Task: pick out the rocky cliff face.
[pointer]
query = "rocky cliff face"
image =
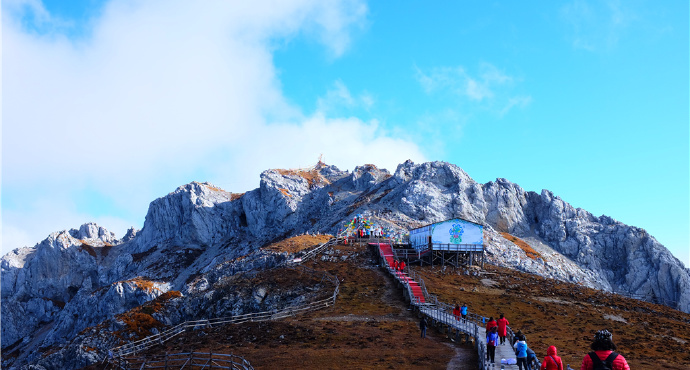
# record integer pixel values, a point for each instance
(194, 237)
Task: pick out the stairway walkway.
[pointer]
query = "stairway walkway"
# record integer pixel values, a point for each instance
(442, 313)
(387, 252)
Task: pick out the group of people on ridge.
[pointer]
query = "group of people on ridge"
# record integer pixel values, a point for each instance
(603, 355)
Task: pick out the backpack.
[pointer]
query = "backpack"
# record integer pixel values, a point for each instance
(599, 365)
(491, 339)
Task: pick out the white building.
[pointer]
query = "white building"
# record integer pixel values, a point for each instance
(452, 241)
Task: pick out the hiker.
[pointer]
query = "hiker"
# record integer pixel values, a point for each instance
(491, 324)
(402, 266)
(519, 336)
(456, 312)
(463, 311)
(422, 326)
(520, 347)
(552, 361)
(491, 343)
(531, 357)
(502, 324)
(395, 265)
(604, 353)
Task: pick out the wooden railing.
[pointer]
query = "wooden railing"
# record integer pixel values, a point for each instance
(162, 337)
(189, 360)
(313, 252)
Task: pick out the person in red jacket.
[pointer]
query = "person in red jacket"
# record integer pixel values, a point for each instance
(402, 266)
(604, 350)
(490, 324)
(456, 312)
(552, 361)
(502, 328)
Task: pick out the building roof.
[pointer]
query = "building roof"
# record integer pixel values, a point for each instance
(450, 219)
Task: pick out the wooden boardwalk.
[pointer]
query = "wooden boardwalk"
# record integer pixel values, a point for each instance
(440, 315)
(504, 351)
(470, 328)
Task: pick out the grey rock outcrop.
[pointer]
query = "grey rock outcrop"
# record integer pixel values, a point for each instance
(198, 235)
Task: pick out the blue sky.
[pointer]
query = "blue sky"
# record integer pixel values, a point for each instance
(108, 105)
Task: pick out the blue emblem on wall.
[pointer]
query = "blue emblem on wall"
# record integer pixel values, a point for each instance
(456, 232)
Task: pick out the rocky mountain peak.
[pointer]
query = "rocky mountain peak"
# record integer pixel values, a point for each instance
(367, 176)
(199, 234)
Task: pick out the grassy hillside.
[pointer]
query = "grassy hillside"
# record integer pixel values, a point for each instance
(371, 327)
(550, 312)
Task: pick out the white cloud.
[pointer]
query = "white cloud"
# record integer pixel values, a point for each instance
(516, 101)
(160, 93)
(490, 86)
(596, 26)
(340, 97)
(458, 81)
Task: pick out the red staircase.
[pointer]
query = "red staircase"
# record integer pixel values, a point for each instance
(387, 252)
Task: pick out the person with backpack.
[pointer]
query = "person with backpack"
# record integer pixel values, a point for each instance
(502, 331)
(463, 311)
(552, 361)
(521, 353)
(604, 355)
(491, 343)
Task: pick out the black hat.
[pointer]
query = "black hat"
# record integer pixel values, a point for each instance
(603, 335)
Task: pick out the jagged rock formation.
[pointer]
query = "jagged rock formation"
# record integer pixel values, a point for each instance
(199, 234)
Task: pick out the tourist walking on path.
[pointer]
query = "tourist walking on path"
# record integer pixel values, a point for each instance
(422, 326)
(604, 351)
(521, 353)
(502, 328)
(402, 266)
(519, 336)
(463, 311)
(490, 324)
(552, 361)
(491, 343)
(531, 357)
(456, 312)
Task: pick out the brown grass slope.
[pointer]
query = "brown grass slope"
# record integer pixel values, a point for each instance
(551, 312)
(370, 326)
(298, 243)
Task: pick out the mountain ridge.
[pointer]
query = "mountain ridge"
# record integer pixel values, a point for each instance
(194, 234)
